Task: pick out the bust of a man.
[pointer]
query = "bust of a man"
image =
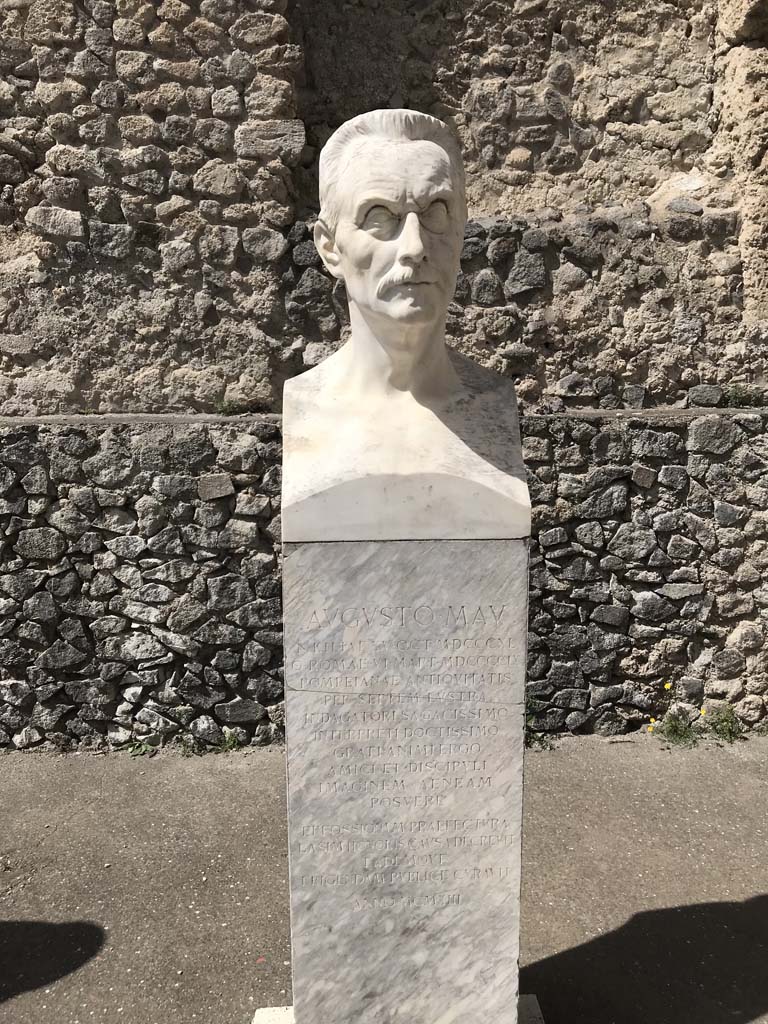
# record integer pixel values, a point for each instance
(396, 436)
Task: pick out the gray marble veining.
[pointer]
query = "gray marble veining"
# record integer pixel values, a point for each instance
(405, 667)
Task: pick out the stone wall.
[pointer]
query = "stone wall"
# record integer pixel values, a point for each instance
(556, 104)
(145, 192)
(139, 576)
(647, 586)
(158, 176)
(157, 193)
(139, 597)
(631, 134)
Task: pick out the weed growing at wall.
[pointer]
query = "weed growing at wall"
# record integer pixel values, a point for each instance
(724, 724)
(677, 730)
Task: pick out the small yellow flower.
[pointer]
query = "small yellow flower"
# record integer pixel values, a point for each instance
(650, 728)
(667, 686)
(703, 711)
(653, 721)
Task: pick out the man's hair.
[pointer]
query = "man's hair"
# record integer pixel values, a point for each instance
(389, 125)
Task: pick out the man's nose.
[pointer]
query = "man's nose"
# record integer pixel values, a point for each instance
(411, 247)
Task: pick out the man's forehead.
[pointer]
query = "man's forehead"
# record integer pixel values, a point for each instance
(383, 166)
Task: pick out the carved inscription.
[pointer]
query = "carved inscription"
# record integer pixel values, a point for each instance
(408, 716)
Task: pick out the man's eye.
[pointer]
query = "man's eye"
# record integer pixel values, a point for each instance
(435, 217)
(381, 221)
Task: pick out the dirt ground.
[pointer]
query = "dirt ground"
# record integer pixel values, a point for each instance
(154, 891)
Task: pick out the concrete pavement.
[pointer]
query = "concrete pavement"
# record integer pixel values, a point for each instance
(154, 891)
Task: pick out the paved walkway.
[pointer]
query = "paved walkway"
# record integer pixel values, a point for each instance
(142, 891)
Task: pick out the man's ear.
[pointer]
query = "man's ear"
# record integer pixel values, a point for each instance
(326, 246)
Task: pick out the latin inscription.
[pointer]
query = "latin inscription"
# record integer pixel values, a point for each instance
(407, 715)
(404, 615)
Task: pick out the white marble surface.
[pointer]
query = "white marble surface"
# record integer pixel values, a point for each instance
(394, 437)
(400, 469)
(274, 1015)
(529, 1012)
(405, 665)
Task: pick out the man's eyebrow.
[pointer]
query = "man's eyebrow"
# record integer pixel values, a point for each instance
(374, 198)
(445, 192)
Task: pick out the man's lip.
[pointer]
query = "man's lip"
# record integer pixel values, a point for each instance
(409, 284)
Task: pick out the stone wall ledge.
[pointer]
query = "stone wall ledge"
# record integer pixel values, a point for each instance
(665, 413)
(119, 418)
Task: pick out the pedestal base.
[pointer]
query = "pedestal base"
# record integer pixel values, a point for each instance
(529, 1012)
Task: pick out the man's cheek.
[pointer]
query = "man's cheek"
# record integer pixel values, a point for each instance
(361, 254)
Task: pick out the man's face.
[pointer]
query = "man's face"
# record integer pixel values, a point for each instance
(400, 229)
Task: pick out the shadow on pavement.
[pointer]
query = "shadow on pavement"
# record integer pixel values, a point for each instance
(36, 953)
(701, 964)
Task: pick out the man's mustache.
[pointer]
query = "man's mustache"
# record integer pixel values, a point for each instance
(401, 277)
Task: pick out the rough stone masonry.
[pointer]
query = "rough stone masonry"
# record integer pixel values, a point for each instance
(157, 191)
(139, 592)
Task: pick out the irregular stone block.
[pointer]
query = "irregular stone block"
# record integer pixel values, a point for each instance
(269, 140)
(49, 220)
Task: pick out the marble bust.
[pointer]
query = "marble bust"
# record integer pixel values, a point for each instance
(395, 436)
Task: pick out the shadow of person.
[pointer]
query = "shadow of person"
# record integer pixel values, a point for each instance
(701, 964)
(35, 953)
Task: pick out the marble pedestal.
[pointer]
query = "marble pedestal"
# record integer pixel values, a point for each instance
(529, 1012)
(405, 667)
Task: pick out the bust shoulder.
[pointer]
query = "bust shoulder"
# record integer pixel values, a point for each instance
(313, 388)
(453, 465)
(307, 383)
